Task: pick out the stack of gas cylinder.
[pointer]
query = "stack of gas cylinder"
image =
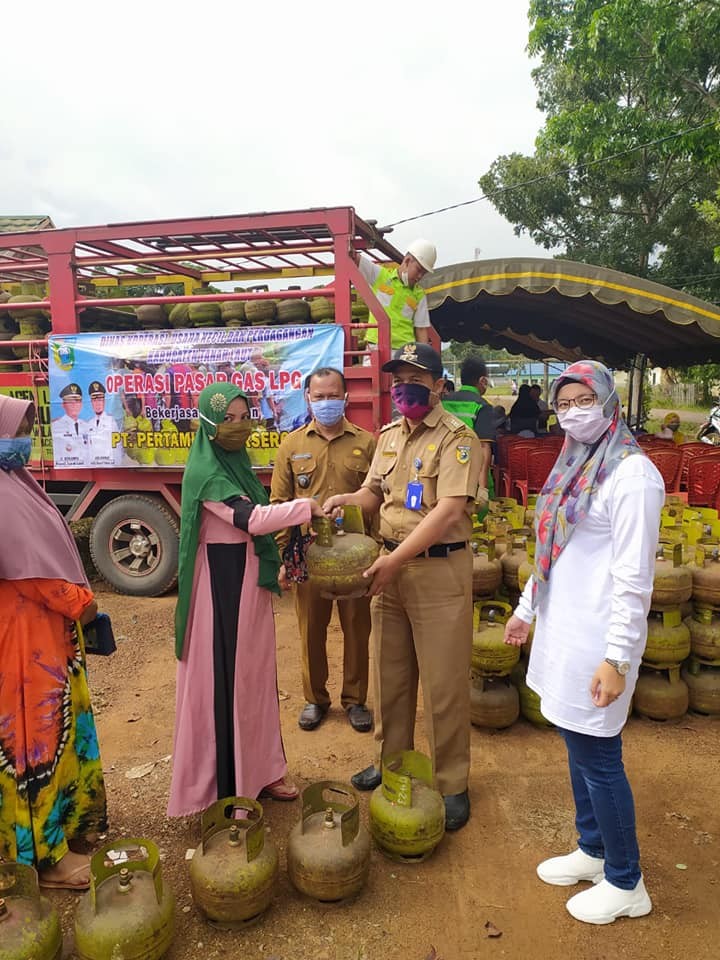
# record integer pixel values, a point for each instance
(681, 663)
(502, 562)
(129, 911)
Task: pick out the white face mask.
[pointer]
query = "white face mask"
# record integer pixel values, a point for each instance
(587, 426)
(404, 277)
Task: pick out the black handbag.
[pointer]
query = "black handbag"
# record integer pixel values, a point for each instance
(99, 636)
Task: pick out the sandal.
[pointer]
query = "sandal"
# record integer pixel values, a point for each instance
(66, 883)
(280, 790)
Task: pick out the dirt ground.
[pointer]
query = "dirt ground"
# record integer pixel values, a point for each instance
(521, 813)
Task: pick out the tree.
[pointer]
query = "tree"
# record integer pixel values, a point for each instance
(614, 74)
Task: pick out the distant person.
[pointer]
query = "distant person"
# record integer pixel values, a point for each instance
(545, 411)
(448, 389)
(524, 413)
(513, 388)
(397, 288)
(500, 420)
(469, 405)
(670, 429)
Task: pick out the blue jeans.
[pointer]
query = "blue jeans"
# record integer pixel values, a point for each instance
(604, 808)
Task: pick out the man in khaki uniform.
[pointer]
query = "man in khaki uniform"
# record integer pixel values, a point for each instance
(328, 456)
(424, 482)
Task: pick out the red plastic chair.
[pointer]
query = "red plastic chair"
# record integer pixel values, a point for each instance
(539, 464)
(669, 463)
(689, 452)
(704, 480)
(516, 468)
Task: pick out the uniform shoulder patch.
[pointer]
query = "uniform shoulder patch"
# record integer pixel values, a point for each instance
(462, 453)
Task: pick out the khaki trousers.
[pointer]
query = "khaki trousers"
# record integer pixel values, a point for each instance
(313, 614)
(422, 629)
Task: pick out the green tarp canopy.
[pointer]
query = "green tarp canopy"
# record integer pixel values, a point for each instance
(557, 308)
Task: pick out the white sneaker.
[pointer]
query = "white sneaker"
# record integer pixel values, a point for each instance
(605, 903)
(570, 869)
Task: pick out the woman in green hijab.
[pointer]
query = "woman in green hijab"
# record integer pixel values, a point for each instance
(227, 719)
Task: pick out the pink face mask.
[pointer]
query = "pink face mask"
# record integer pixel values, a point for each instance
(587, 426)
(411, 399)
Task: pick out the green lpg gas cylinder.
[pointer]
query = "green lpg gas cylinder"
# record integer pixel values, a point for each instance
(128, 913)
(29, 924)
(407, 814)
(703, 683)
(342, 551)
(491, 656)
(487, 568)
(529, 700)
(233, 873)
(494, 702)
(668, 639)
(704, 626)
(328, 852)
(661, 694)
(673, 581)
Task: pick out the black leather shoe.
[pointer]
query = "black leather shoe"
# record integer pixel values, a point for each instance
(311, 716)
(367, 779)
(457, 810)
(360, 717)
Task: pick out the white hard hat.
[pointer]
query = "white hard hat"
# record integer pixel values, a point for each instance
(425, 254)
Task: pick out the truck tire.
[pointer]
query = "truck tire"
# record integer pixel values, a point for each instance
(134, 544)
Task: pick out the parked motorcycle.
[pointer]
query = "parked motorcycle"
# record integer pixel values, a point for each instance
(709, 431)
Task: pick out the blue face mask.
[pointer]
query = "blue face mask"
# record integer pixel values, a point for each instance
(327, 412)
(14, 452)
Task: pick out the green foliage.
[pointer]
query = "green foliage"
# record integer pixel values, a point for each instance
(706, 376)
(614, 74)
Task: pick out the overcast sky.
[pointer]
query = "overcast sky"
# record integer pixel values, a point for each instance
(115, 112)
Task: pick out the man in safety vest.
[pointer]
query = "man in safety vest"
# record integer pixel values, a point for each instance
(469, 405)
(399, 294)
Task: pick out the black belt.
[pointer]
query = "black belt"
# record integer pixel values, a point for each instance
(436, 550)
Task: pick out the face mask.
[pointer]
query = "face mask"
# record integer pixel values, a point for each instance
(233, 436)
(587, 426)
(14, 452)
(411, 399)
(403, 274)
(327, 412)
(673, 426)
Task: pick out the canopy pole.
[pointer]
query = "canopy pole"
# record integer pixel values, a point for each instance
(629, 410)
(636, 383)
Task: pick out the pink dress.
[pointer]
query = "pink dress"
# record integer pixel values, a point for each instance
(254, 742)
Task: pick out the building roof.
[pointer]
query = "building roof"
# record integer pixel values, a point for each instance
(21, 224)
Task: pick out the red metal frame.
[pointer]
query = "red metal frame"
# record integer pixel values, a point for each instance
(253, 247)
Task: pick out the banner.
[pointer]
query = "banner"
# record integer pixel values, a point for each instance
(130, 399)
(41, 440)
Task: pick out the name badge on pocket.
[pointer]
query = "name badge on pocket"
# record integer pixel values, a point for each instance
(413, 495)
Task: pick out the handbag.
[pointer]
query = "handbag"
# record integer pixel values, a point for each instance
(99, 637)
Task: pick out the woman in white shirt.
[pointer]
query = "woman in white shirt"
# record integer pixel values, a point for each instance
(597, 523)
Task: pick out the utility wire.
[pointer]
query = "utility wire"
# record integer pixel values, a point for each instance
(551, 176)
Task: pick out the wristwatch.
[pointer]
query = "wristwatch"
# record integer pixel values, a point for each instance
(622, 666)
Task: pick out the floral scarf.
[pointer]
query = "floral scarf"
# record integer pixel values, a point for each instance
(578, 472)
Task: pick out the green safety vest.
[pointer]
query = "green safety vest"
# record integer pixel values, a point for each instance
(467, 410)
(400, 304)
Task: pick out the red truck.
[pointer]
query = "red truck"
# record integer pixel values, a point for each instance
(74, 283)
